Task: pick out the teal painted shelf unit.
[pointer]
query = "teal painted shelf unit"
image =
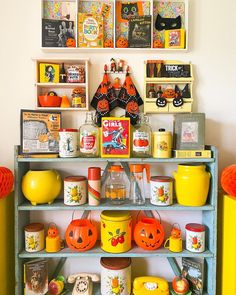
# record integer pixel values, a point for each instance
(209, 218)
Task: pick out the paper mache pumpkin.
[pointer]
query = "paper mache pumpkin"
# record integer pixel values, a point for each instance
(122, 42)
(81, 235)
(70, 42)
(157, 43)
(108, 43)
(53, 231)
(169, 93)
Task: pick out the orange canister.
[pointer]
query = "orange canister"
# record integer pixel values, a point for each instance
(116, 231)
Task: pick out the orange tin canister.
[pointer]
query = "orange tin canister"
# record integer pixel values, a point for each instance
(116, 231)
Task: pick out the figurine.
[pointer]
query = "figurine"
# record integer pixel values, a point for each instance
(121, 63)
(175, 241)
(178, 100)
(117, 84)
(53, 240)
(113, 65)
(56, 286)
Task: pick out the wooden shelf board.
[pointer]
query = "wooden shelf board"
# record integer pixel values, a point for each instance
(61, 85)
(105, 205)
(60, 109)
(135, 160)
(98, 252)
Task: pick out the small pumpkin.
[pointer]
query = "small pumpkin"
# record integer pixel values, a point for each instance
(132, 107)
(122, 42)
(157, 43)
(81, 235)
(169, 93)
(103, 105)
(53, 231)
(149, 233)
(70, 42)
(176, 232)
(108, 43)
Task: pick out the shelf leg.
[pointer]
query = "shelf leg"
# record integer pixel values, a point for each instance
(58, 268)
(174, 265)
(105, 173)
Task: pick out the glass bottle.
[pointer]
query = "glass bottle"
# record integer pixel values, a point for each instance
(151, 92)
(142, 138)
(115, 189)
(89, 137)
(159, 92)
(62, 74)
(137, 191)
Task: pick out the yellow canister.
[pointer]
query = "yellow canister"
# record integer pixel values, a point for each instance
(192, 183)
(162, 144)
(116, 231)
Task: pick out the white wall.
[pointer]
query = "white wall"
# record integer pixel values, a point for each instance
(212, 51)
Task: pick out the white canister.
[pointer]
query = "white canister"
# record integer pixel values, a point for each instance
(195, 237)
(161, 190)
(75, 190)
(34, 237)
(68, 143)
(116, 276)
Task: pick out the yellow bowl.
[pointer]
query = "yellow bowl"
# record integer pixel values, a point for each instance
(41, 187)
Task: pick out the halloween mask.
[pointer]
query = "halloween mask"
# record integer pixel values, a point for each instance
(167, 23)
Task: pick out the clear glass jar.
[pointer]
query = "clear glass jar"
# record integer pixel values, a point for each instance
(115, 189)
(137, 191)
(89, 137)
(142, 138)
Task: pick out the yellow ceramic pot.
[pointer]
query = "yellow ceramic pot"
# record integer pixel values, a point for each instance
(192, 184)
(41, 187)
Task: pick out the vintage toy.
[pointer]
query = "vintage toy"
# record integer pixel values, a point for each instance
(121, 63)
(81, 235)
(41, 186)
(53, 240)
(175, 240)
(116, 84)
(113, 65)
(56, 286)
(150, 286)
(228, 180)
(149, 234)
(116, 229)
(180, 285)
(6, 182)
(83, 283)
(115, 137)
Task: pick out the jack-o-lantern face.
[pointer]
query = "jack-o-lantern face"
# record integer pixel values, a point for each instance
(108, 43)
(169, 93)
(70, 42)
(122, 42)
(149, 234)
(176, 233)
(157, 44)
(103, 105)
(81, 235)
(161, 102)
(53, 231)
(132, 107)
(178, 101)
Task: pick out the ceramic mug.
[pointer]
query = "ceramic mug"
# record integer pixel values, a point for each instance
(175, 245)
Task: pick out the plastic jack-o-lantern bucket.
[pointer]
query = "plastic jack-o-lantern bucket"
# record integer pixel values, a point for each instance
(81, 235)
(149, 233)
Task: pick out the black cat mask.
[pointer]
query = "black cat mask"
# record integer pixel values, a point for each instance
(167, 23)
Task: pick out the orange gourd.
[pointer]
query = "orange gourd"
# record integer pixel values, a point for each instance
(81, 235)
(65, 103)
(149, 233)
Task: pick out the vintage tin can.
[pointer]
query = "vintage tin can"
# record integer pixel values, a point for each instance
(161, 190)
(34, 237)
(115, 275)
(195, 237)
(68, 143)
(116, 231)
(162, 143)
(75, 190)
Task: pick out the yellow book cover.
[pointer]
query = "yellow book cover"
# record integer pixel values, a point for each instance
(175, 38)
(192, 154)
(90, 30)
(49, 73)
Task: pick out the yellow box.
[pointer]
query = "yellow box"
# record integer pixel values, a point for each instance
(175, 38)
(49, 73)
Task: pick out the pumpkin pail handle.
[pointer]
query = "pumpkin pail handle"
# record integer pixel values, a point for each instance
(87, 214)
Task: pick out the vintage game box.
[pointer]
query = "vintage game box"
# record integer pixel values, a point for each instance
(115, 137)
(90, 30)
(49, 73)
(40, 132)
(186, 154)
(36, 277)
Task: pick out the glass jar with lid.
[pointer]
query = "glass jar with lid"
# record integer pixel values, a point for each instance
(115, 189)
(142, 138)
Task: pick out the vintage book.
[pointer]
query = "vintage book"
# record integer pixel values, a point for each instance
(193, 270)
(139, 35)
(192, 154)
(115, 137)
(189, 131)
(57, 33)
(40, 132)
(90, 30)
(175, 38)
(49, 73)
(36, 277)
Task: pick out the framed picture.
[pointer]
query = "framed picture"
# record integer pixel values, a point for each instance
(175, 38)
(40, 132)
(189, 131)
(115, 137)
